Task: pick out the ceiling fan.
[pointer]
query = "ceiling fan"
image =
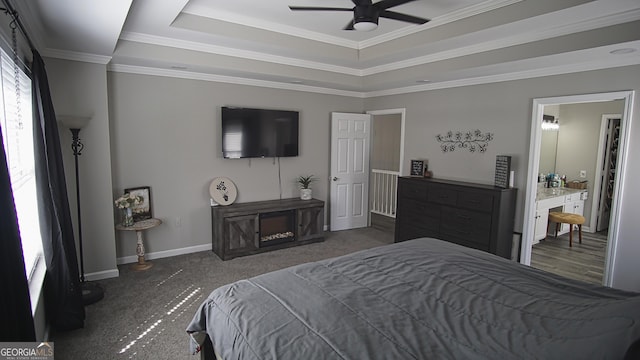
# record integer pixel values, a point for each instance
(366, 13)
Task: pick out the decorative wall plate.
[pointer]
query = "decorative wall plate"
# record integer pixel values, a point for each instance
(223, 191)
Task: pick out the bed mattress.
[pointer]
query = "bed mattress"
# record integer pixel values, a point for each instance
(419, 299)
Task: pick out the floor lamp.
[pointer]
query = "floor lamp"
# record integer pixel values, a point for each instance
(91, 292)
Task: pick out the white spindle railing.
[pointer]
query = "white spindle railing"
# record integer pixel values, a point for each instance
(384, 185)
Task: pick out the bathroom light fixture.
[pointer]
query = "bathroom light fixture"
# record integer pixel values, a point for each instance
(550, 122)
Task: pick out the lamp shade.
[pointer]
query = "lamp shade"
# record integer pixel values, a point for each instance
(73, 122)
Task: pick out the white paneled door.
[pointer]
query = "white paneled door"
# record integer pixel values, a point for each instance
(349, 170)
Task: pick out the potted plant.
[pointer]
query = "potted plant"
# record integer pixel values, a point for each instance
(305, 181)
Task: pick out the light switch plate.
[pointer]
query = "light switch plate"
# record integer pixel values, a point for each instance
(583, 173)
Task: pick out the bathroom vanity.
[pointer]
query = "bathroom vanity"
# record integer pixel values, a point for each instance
(556, 199)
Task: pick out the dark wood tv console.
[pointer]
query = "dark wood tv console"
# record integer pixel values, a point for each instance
(473, 215)
(236, 228)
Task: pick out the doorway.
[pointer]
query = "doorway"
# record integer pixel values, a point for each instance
(387, 158)
(534, 159)
(606, 171)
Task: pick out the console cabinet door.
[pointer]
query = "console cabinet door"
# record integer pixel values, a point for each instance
(310, 223)
(542, 217)
(241, 234)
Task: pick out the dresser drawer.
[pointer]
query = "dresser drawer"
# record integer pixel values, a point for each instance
(470, 227)
(442, 195)
(475, 201)
(420, 214)
(412, 190)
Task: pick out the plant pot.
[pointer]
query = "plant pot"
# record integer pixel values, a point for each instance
(305, 194)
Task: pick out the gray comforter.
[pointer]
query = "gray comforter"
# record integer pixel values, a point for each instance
(419, 299)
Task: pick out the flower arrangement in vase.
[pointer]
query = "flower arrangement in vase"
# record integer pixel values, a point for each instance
(125, 203)
(305, 183)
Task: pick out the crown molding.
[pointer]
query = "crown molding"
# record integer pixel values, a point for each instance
(245, 54)
(510, 76)
(189, 75)
(516, 75)
(207, 12)
(459, 14)
(76, 56)
(534, 35)
(468, 11)
(531, 36)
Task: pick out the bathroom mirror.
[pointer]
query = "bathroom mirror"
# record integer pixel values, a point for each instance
(549, 144)
(548, 150)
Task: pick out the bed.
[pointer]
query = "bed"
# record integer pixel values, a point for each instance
(418, 299)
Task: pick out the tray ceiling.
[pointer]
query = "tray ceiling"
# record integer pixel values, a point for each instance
(263, 43)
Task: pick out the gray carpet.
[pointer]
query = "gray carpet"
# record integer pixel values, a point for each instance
(144, 314)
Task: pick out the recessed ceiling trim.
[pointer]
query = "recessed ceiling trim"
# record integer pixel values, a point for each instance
(534, 35)
(507, 76)
(438, 21)
(507, 41)
(180, 74)
(245, 54)
(268, 25)
(466, 12)
(510, 76)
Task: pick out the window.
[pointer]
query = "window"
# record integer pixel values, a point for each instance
(17, 132)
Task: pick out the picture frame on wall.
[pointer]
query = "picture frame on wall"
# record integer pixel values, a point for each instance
(141, 211)
(417, 168)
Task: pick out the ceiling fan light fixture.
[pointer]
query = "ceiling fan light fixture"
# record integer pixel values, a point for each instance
(365, 25)
(365, 18)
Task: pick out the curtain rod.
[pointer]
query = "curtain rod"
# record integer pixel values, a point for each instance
(9, 10)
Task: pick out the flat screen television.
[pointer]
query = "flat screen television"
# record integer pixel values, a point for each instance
(253, 133)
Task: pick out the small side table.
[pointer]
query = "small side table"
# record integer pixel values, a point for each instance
(139, 227)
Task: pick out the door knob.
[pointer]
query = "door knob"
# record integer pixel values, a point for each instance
(335, 178)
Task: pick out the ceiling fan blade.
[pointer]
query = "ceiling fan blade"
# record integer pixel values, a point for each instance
(362, 2)
(402, 17)
(349, 26)
(315, 8)
(386, 4)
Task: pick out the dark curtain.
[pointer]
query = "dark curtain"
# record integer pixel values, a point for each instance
(16, 321)
(63, 295)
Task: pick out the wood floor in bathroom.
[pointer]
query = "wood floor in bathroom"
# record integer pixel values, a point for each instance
(583, 262)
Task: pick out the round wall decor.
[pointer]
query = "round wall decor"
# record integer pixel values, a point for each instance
(223, 191)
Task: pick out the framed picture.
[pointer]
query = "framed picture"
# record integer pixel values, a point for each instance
(417, 168)
(141, 211)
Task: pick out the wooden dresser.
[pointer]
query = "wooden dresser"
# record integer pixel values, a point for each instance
(474, 215)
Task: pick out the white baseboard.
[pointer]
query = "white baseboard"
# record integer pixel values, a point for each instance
(164, 254)
(100, 275)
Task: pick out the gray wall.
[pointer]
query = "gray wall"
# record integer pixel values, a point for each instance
(165, 134)
(80, 89)
(505, 110)
(162, 132)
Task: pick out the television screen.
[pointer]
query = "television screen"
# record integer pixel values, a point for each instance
(250, 133)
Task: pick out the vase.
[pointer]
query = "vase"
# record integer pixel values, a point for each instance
(306, 194)
(128, 217)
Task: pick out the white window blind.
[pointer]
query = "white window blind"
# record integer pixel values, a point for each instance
(17, 133)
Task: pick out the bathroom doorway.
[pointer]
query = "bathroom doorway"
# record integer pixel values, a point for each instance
(567, 162)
